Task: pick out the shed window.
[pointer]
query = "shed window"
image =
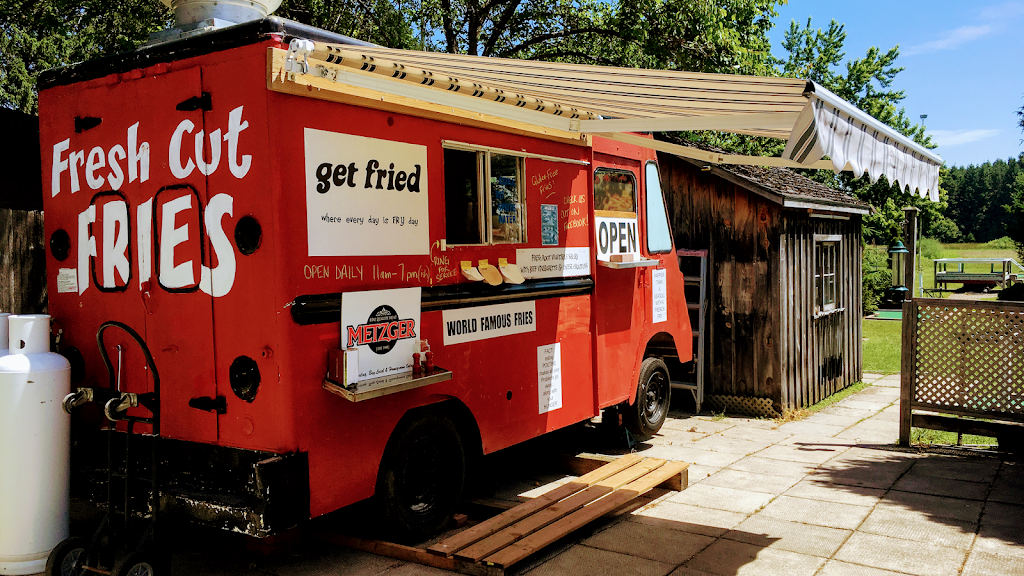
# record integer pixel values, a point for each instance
(825, 270)
(614, 190)
(484, 198)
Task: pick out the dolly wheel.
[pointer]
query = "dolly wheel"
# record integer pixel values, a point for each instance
(144, 563)
(421, 476)
(63, 557)
(654, 391)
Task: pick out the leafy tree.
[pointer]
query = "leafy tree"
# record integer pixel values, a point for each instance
(1015, 226)
(35, 36)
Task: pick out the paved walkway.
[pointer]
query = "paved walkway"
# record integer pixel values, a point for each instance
(826, 496)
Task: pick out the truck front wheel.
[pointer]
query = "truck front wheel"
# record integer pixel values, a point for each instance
(645, 416)
(421, 476)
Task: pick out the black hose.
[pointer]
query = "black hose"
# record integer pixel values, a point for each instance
(149, 360)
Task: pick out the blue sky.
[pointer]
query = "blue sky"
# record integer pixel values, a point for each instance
(964, 64)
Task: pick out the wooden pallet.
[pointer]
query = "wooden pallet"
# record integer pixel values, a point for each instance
(515, 534)
(488, 548)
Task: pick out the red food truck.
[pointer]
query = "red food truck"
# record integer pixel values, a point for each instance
(270, 256)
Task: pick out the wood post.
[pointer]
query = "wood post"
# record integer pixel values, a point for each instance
(907, 370)
(910, 241)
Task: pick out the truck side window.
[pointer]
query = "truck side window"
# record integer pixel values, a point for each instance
(462, 199)
(507, 206)
(659, 238)
(485, 198)
(614, 190)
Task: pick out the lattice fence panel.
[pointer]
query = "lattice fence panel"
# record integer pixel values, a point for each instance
(970, 356)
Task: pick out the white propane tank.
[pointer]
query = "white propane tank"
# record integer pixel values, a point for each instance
(3, 334)
(35, 438)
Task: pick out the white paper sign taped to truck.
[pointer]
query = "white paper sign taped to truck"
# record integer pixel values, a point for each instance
(365, 196)
(616, 235)
(483, 322)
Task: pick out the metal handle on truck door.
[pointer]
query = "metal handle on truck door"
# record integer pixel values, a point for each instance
(208, 404)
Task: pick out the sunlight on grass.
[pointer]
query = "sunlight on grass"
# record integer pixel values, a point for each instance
(795, 414)
(924, 437)
(882, 342)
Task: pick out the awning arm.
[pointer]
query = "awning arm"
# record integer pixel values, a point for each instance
(710, 157)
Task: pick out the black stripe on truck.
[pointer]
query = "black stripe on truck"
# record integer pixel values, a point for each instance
(325, 308)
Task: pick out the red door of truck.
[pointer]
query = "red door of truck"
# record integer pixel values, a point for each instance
(179, 324)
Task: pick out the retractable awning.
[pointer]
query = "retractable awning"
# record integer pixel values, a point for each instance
(615, 102)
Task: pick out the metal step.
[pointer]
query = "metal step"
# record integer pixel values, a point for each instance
(676, 385)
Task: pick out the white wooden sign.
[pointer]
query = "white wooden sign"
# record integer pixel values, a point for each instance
(616, 236)
(365, 196)
(383, 325)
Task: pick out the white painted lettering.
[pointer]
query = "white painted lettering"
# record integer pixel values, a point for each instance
(138, 156)
(172, 276)
(174, 151)
(235, 126)
(59, 165)
(116, 176)
(218, 282)
(204, 168)
(92, 164)
(75, 159)
(86, 246)
(115, 242)
(144, 236)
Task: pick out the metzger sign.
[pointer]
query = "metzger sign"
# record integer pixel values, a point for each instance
(383, 326)
(365, 196)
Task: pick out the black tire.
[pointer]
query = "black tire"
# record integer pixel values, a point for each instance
(144, 563)
(645, 416)
(62, 558)
(421, 477)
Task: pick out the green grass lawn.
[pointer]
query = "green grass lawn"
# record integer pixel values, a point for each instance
(927, 266)
(882, 344)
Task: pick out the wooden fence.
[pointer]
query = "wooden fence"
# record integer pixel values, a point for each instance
(963, 359)
(22, 262)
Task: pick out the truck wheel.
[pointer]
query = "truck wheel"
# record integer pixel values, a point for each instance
(421, 476)
(645, 416)
(63, 557)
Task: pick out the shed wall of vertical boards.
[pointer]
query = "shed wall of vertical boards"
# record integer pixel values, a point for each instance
(763, 337)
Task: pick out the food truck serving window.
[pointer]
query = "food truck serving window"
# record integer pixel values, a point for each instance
(614, 190)
(484, 197)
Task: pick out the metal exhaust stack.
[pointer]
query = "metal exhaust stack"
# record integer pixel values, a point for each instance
(193, 17)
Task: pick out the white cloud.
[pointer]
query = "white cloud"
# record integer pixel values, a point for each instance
(951, 39)
(950, 138)
(1003, 11)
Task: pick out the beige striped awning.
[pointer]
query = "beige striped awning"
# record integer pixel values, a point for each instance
(613, 102)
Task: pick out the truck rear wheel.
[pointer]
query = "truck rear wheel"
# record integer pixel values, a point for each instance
(421, 476)
(645, 416)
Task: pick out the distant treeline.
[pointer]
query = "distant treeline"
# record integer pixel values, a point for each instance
(980, 201)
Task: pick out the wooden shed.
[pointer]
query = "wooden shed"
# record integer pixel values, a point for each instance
(783, 320)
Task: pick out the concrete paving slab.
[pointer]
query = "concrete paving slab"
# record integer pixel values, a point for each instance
(887, 415)
(954, 468)
(934, 506)
(674, 436)
(832, 419)
(901, 555)
(941, 487)
(919, 527)
(740, 480)
(887, 383)
(1004, 514)
(692, 455)
(729, 499)
(731, 445)
(668, 546)
(871, 376)
(1008, 494)
(791, 536)
(585, 561)
(1000, 539)
(857, 403)
(811, 428)
(312, 559)
(753, 433)
(773, 467)
(882, 391)
(686, 518)
(809, 454)
(698, 424)
(817, 512)
(816, 441)
(877, 422)
(751, 422)
(412, 570)
(865, 468)
(837, 568)
(857, 413)
(981, 563)
(698, 472)
(828, 492)
(870, 436)
(731, 558)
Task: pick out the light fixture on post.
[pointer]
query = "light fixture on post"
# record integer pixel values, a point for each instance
(898, 292)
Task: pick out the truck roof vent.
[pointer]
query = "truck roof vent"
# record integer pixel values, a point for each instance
(197, 16)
